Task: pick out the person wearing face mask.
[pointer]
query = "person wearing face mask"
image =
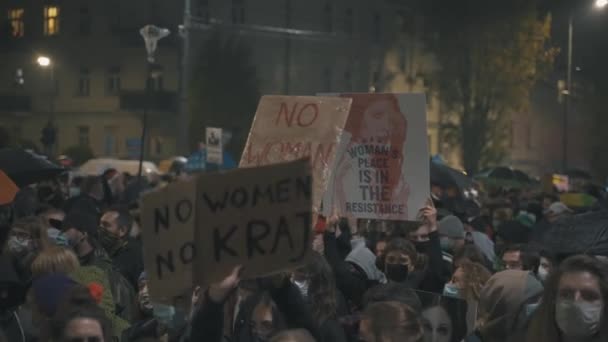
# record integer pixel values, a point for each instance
(547, 263)
(318, 287)
(126, 252)
(503, 310)
(467, 282)
(26, 239)
(79, 229)
(573, 307)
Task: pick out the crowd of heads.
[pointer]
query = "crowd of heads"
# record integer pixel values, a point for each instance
(71, 269)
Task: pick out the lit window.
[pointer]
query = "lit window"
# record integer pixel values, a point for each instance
(51, 20)
(113, 81)
(15, 16)
(84, 82)
(83, 135)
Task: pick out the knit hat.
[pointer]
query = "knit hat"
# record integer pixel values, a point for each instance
(83, 222)
(50, 290)
(452, 227)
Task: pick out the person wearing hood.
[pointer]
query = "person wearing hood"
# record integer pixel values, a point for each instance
(573, 307)
(355, 274)
(505, 304)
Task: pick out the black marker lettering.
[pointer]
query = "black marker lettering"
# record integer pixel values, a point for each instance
(161, 217)
(261, 195)
(239, 197)
(283, 190)
(253, 237)
(166, 262)
(219, 243)
(187, 253)
(183, 210)
(304, 187)
(282, 230)
(215, 205)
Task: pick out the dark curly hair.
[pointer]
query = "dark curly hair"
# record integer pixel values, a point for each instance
(322, 293)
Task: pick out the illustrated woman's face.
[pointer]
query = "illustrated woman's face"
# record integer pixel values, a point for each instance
(376, 121)
(437, 325)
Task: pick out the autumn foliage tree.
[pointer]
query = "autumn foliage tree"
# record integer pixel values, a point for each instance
(490, 54)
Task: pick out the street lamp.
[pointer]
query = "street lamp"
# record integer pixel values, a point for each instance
(599, 4)
(151, 34)
(48, 132)
(43, 61)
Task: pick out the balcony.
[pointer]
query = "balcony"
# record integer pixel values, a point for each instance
(159, 101)
(15, 103)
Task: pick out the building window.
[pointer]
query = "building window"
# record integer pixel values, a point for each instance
(201, 10)
(238, 11)
(110, 141)
(83, 135)
(15, 16)
(328, 18)
(348, 81)
(348, 22)
(113, 81)
(377, 28)
(84, 82)
(155, 81)
(327, 79)
(84, 26)
(51, 20)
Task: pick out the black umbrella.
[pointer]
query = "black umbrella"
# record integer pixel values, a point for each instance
(25, 167)
(446, 177)
(584, 233)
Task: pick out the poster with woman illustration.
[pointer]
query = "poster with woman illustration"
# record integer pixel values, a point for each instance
(381, 170)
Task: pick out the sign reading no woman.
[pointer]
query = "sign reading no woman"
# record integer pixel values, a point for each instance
(288, 128)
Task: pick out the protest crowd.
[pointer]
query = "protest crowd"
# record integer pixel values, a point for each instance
(251, 255)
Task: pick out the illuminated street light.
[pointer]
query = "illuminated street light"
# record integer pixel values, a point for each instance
(601, 3)
(43, 61)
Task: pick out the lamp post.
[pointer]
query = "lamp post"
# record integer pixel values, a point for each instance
(151, 34)
(599, 4)
(48, 132)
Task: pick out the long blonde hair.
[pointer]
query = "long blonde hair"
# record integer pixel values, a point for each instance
(475, 277)
(54, 260)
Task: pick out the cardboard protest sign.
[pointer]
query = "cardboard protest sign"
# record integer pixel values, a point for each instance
(381, 168)
(287, 128)
(260, 218)
(215, 149)
(168, 221)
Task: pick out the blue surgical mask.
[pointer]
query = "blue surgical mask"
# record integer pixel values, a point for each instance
(531, 308)
(163, 313)
(450, 290)
(74, 191)
(57, 237)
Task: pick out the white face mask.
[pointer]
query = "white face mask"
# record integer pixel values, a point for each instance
(578, 319)
(543, 273)
(302, 286)
(18, 246)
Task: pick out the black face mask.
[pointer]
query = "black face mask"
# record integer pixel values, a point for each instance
(397, 272)
(422, 247)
